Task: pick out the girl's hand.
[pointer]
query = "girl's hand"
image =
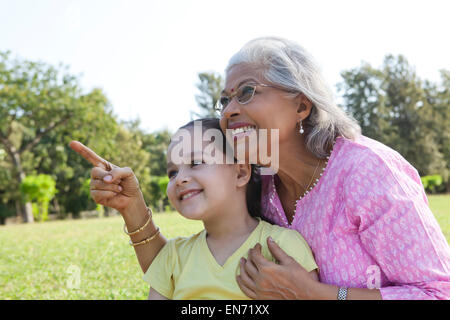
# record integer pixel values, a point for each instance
(265, 280)
(111, 186)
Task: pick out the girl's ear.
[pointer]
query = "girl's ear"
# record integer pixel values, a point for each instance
(244, 173)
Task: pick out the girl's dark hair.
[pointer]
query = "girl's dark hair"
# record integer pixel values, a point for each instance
(253, 192)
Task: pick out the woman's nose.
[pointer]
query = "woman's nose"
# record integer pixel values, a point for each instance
(232, 109)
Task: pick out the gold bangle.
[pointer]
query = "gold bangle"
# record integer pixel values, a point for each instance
(141, 228)
(145, 240)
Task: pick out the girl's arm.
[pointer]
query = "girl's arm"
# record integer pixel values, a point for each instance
(135, 217)
(155, 295)
(122, 192)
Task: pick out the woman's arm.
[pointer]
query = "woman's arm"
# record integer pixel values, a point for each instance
(401, 234)
(396, 227)
(262, 279)
(324, 291)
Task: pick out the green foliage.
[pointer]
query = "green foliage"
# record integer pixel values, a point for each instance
(432, 183)
(395, 107)
(101, 210)
(158, 192)
(164, 201)
(39, 190)
(43, 108)
(8, 188)
(5, 211)
(162, 183)
(155, 144)
(210, 86)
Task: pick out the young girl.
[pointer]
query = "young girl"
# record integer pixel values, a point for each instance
(205, 265)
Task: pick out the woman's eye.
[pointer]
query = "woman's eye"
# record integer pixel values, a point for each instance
(246, 93)
(224, 101)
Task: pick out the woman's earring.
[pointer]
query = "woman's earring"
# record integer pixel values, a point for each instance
(301, 128)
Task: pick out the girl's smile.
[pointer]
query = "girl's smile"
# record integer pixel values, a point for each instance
(188, 194)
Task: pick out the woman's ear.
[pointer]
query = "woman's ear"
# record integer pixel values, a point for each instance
(244, 173)
(304, 106)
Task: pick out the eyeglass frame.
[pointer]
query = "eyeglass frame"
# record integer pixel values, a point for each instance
(231, 96)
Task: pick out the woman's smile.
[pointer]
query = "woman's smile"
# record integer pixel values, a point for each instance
(242, 132)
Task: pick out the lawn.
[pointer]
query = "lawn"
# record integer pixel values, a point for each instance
(91, 259)
(440, 205)
(41, 261)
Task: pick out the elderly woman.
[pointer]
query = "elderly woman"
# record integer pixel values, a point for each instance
(360, 206)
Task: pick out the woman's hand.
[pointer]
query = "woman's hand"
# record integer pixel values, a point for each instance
(263, 280)
(120, 192)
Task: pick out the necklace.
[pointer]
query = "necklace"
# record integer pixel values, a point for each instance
(312, 177)
(310, 187)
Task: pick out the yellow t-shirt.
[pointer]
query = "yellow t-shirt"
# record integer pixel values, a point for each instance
(185, 268)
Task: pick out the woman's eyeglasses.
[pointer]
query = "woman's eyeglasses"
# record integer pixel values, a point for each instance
(244, 94)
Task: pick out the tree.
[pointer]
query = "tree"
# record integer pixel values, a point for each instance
(39, 190)
(146, 154)
(129, 151)
(38, 102)
(210, 86)
(439, 98)
(398, 109)
(365, 100)
(7, 208)
(156, 145)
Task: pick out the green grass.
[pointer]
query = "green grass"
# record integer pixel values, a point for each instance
(440, 205)
(36, 261)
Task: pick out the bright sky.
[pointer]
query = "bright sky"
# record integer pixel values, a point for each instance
(146, 55)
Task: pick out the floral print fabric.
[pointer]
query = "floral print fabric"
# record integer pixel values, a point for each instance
(369, 225)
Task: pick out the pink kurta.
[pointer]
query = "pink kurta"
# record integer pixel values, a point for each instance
(369, 225)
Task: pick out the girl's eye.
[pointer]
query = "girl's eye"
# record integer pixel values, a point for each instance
(196, 162)
(171, 173)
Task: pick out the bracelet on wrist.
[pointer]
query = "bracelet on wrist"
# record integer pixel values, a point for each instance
(342, 294)
(134, 244)
(141, 228)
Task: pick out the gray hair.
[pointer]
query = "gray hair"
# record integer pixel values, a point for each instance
(289, 66)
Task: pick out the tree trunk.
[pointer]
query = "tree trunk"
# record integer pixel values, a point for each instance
(27, 212)
(57, 208)
(107, 212)
(26, 209)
